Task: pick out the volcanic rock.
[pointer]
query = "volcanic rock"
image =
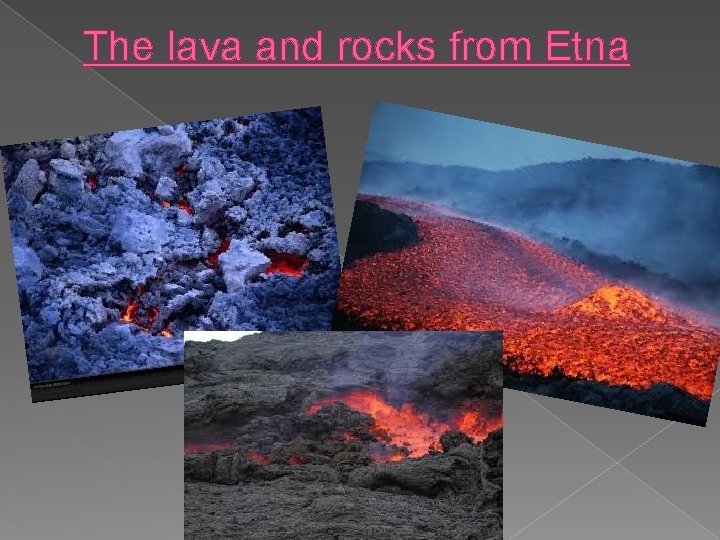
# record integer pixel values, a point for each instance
(294, 243)
(237, 214)
(451, 439)
(135, 151)
(30, 181)
(139, 233)
(166, 187)
(240, 263)
(430, 476)
(210, 200)
(67, 150)
(66, 178)
(660, 400)
(27, 266)
(300, 464)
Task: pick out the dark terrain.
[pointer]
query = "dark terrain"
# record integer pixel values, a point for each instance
(261, 463)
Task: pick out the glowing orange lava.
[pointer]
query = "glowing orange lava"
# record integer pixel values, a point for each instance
(474, 422)
(406, 427)
(182, 205)
(128, 314)
(617, 302)
(165, 332)
(213, 257)
(555, 313)
(286, 263)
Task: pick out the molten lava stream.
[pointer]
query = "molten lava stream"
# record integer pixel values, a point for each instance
(475, 425)
(407, 428)
(556, 313)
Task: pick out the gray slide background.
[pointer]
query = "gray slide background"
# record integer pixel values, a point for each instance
(111, 466)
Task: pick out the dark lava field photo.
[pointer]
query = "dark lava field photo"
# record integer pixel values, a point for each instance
(122, 241)
(600, 265)
(352, 435)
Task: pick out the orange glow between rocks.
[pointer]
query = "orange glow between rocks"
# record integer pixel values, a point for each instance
(128, 314)
(286, 263)
(213, 257)
(185, 207)
(406, 427)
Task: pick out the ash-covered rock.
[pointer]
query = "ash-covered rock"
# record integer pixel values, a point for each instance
(124, 240)
(291, 468)
(240, 263)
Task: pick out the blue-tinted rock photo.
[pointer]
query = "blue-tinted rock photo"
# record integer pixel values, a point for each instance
(121, 241)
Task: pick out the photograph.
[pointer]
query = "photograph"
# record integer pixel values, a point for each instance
(353, 435)
(599, 264)
(122, 241)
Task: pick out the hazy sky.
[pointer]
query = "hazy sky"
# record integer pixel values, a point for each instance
(400, 133)
(221, 336)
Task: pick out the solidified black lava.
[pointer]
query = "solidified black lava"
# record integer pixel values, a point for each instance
(661, 400)
(341, 321)
(282, 472)
(376, 230)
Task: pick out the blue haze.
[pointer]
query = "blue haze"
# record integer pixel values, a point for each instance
(400, 133)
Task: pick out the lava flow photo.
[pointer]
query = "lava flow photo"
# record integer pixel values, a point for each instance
(353, 435)
(599, 265)
(121, 241)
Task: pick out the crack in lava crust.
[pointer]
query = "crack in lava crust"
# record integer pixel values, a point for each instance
(555, 313)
